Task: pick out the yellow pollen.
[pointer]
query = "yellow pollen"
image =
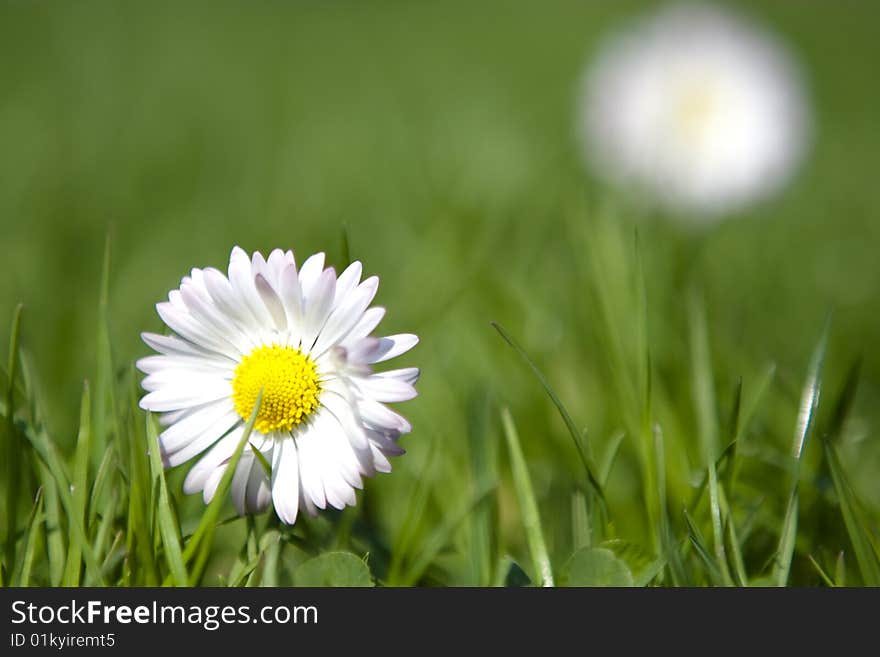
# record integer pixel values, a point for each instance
(290, 385)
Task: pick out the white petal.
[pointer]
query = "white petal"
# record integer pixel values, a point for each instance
(383, 389)
(182, 323)
(381, 463)
(272, 302)
(309, 273)
(291, 297)
(408, 374)
(347, 282)
(386, 441)
(240, 479)
(394, 345)
(345, 316)
(277, 261)
(203, 311)
(218, 454)
(344, 453)
(362, 351)
(174, 398)
(241, 278)
(201, 364)
(317, 307)
(199, 442)
(173, 345)
(193, 424)
(259, 493)
(336, 488)
(212, 483)
(226, 299)
(382, 417)
(345, 413)
(285, 480)
(310, 467)
(366, 324)
(182, 378)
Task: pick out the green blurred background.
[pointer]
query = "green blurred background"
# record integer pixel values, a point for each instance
(442, 136)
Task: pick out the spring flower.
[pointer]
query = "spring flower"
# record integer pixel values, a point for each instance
(696, 108)
(303, 337)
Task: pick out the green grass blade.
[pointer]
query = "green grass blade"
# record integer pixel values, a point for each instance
(844, 403)
(34, 524)
(806, 415)
(102, 478)
(611, 454)
(102, 533)
(441, 537)
(856, 526)
(583, 449)
(740, 577)
(703, 385)
(80, 488)
(482, 451)
(11, 454)
(49, 455)
(668, 545)
(414, 515)
(199, 546)
(55, 549)
(581, 536)
(717, 530)
(840, 570)
(167, 519)
(703, 552)
(141, 565)
(104, 367)
(527, 504)
(744, 412)
(825, 578)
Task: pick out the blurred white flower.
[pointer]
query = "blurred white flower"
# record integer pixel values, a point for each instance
(696, 108)
(303, 337)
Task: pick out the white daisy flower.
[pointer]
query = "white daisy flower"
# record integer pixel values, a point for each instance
(699, 109)
(303, 337)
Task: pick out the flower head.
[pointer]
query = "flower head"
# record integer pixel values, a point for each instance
(303, 338)
(695, 107)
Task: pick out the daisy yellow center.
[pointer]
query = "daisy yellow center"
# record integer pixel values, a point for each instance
(289, 381)
(696, 109)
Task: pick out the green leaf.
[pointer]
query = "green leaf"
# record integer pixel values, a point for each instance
(167, 518)
(703, 385)
(50, 457)
(54, 536)
(482, 523)
(611, 455)
(333, 569)
(35, 522)
(806, 414)
(527, 505)
(583, 448)
(856, 525)
(825, 578)
(442, 536)
(199, 546)
(80, 488)
(596, 567)
(715, 493)
(104, 397)
(699, 544)
(511, 574)
(11, 442)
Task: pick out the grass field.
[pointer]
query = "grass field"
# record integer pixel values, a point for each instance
(435, 143)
